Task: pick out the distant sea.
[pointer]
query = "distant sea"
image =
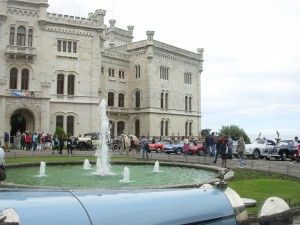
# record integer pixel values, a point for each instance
(272, 137)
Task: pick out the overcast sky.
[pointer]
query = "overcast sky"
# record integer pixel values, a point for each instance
(251, 74)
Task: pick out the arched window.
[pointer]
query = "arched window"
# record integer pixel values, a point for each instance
(137, 99)
(120, 127)
(186, 128)
(186, 103)
(190, 128)
(137, 128)
(121, 100)
(167, 128)
(166, 100)
(71, 84)
(110, 101)
(162, 128)
(30, 37)
(60, 121)
(60, 84)
(12, 36)
(162, 100)
(70, 125)
(21, 36)
(13, 79)
(190, 104)
(25, 79)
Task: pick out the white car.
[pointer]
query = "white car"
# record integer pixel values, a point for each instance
(257, 147)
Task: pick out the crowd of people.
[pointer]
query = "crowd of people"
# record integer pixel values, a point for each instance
(32, 141)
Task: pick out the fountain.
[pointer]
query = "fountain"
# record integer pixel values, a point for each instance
(156, 166)
(102, 151)
(42, 169)
(126, 175)
(86, 165)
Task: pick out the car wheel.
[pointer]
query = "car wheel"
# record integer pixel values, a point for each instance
(267, 158)
(283, 156)
(115, 147)
(178, 151)
(158, 150)
(256, 154)
(89, 143)
(201, 152)
(81, 146)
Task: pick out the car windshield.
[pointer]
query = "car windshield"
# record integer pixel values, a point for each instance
(284, 143)
(259, 142)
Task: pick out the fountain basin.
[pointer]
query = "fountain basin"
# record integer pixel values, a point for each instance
(71, 175)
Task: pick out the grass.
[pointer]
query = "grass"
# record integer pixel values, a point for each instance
(253, 184)
(260, 185)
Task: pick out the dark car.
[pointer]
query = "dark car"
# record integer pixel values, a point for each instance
(281, 151)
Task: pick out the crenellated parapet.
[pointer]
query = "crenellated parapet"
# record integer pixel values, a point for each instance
(95, 19)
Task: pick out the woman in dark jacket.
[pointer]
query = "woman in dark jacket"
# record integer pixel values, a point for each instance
(61, 143)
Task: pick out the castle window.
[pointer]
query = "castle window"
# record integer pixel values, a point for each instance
(12, 36)
(25, 79)
(112, 129)
(121, 100)
(74, 47)
(111, 97)
(186, 128)
(120, 127)
(71, 84)
(70, 125)
(190, 104)
(137, 128)
(30, 37)
(162, 100)
(111, 72)
(64, 46)
(162, 128)
(121, 74)
(60, 84)
(187, 78)
(59, 46)
(164, 73)
(190, 128)
(167, 128)
(13, 79)
(21, 36)
(166, 100)
(137, 71)
(137, 99)
(60, 121)
(186, 103)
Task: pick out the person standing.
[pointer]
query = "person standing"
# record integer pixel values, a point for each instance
(34, 141)
(295, 145)
(28, 141)
(185, 147)
(127, 144)
(224, 152)
(70, 144)
(240, 148)
(144, 147)
(220, 141)
(56, 147)
(229, 145)
(61, 143)
(211, 144)
(39, 142)
(6, 142)
(22, 140)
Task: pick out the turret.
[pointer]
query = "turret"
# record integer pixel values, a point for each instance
(43, 5)
(130, 29)
(150, 44)
(112, 24)
(3, 7)
(100, 14)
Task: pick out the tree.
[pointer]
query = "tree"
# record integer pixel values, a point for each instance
(59, 131)
(235, 132)
(205, 132)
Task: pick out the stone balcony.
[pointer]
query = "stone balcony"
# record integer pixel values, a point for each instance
(15, 51)
(24, 93)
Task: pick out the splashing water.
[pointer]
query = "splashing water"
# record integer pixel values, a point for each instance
(42, 169)
(102, 151)
(126, 175)
(156, 166)
(86, 165)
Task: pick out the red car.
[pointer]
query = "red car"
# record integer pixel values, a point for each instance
(196, 148)
(158, 146)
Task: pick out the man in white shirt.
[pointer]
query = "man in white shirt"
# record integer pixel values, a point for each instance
(295, 145)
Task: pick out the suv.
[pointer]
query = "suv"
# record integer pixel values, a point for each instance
(281, 151)
(88, 141)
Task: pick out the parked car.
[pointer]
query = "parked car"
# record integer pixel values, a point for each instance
(159, 145)
(281, 151)
(173, 148)
(196, 148)
(257, 147)
(88, 141)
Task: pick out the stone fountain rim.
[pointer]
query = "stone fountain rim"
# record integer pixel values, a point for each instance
(228, 175)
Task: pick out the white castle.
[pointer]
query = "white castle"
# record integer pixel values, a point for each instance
(55, 69)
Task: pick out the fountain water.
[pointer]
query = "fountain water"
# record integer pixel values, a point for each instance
(156, 166)
(42, 169)
(126, 175)
(102, 151)
(86, 165)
